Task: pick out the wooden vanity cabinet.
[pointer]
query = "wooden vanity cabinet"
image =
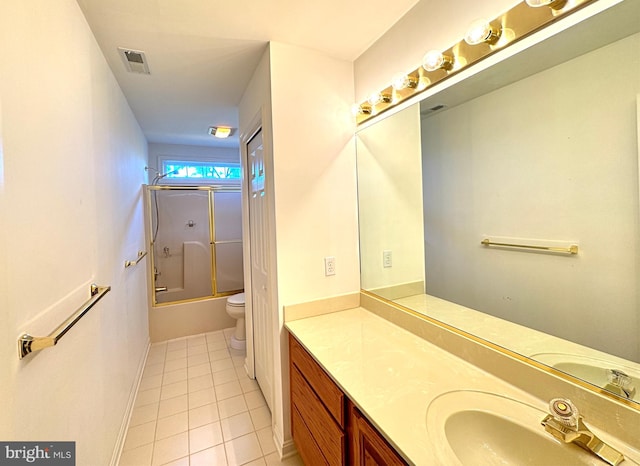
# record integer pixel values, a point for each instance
(367, 447)
(326, 427)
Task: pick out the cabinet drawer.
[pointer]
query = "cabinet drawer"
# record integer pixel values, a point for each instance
(307, 447)
(322, 385)
(328, 436)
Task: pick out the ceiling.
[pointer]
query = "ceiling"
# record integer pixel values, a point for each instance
(202, 54)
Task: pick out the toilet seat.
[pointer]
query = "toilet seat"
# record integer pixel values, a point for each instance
(236, 300)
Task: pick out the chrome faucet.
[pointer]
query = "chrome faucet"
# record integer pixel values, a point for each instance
(565, 424)
(620, 384)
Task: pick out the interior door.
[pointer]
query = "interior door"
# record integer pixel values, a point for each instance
(260, 299)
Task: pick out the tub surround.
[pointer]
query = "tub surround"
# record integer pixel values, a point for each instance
(386, 370)
(170, 321)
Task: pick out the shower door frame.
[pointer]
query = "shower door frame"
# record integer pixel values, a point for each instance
(211, 189)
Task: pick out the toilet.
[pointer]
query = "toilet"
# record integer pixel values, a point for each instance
(235, 308)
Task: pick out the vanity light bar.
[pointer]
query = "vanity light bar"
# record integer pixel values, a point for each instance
(523, 19)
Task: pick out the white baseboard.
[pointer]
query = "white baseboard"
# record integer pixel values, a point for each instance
(286, 448)
(124, 427)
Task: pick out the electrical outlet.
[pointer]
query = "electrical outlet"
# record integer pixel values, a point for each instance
(387, 260)
(329, 266)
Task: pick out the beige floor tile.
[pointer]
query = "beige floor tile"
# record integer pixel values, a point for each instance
(216, 345)
(255, 399)
(156, 358)
(232, 406)
(199, 370)
(174, 389)
(221, 365)
(261, 417)
(248, 385)
(140, 435)
(147, 397)
(173, 406)
(203, 415)
(172, 425)
(258, 462)
(176, 354)
(215, 456)
(228, 390)
(241, 372)
(196, 340)
(243, 449)
(170, 449)
(197, 359)
(175, 365)
(238, 361)
(178, 343)
(153, 369)
(196, 350)
(153, 381)
(181, 462)
(140, 456)
(225, 376)
(200, 383)
(144, 414)
(204, 437)
(236, 426)
(158, 348)
(219, 354)
(274, 460)
(265, 437)
(174, 376)
(202, 397)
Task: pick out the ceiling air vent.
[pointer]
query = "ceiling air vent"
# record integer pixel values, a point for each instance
(134, 61)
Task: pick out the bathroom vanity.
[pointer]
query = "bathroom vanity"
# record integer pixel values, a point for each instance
(326, 425)
(366, 391)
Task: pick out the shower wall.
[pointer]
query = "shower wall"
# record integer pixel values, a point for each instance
(186, 265)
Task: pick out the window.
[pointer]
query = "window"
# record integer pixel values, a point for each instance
(196, 171)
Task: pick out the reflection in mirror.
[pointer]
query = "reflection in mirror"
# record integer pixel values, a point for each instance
(549, 160)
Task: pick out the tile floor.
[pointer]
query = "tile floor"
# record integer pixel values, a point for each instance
(197, 407)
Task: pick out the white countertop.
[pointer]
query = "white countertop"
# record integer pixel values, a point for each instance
(393, 375)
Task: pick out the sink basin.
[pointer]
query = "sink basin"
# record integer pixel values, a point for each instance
(473, 427)
(592, 370)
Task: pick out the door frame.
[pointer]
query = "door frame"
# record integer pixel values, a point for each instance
(254, 127)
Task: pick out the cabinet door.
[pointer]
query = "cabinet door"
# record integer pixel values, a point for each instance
(368, 447)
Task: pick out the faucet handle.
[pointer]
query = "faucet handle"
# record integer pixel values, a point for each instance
(565, 412)
(619, 378)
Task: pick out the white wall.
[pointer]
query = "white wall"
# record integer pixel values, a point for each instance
(537, 159)
(73, 162)
(428, 25)
(308, 125)
(315, 186)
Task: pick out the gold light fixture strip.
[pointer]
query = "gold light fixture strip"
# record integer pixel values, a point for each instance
(519, 22)
(572, 249)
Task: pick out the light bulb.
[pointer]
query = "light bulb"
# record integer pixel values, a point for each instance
(481, 31)
(435, 60)
(375, 98)
(402, 81)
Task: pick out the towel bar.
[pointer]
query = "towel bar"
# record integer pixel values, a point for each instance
(141, 254)
(28, 344)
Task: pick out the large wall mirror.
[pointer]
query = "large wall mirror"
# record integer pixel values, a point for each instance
(548, 160)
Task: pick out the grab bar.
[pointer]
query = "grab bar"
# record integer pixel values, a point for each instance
(128, 264)
(28, 344)
(573, 249)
